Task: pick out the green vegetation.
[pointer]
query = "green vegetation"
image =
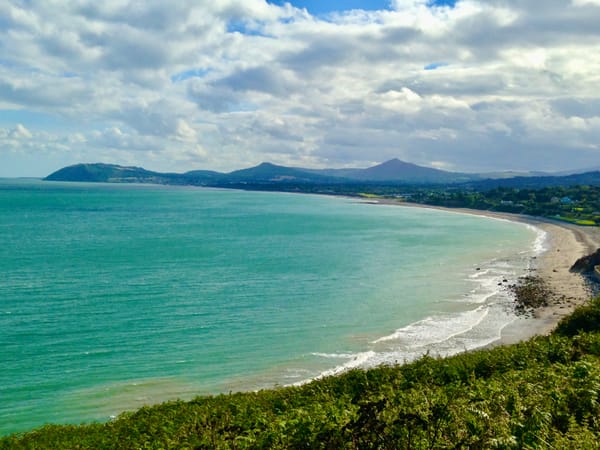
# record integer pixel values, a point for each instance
(576, 204)
(365, 195)
(544, 393)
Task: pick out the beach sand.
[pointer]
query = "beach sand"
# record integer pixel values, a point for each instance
(565, 243)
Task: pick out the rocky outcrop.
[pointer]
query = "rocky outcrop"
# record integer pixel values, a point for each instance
(531, 292)
(587, 264)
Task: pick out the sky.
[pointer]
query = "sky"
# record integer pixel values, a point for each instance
(463, 85)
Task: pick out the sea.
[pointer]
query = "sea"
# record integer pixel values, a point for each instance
(115, 296)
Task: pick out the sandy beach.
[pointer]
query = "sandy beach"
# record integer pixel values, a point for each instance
(564, 244)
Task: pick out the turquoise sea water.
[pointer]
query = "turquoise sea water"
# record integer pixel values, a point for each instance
(115, 296)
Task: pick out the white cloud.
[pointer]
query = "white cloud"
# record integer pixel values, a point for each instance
(20, 132)
(184, 132)
(228, 83)
(585, 2)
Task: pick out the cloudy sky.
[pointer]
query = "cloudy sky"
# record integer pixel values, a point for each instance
(464, 85)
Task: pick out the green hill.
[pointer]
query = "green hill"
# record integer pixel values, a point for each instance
(272, 173)
(111, 173)
(544, 393)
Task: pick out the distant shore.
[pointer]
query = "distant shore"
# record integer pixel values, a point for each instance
(564, 244)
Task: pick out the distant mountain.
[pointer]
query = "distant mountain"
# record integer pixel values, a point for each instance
(396, 170)
(272, 173)
(513, 174)
(393, 172)
(202, 177)
(579, 171)
(587, 178)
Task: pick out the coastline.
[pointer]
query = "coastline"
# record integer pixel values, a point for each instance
(563, 245)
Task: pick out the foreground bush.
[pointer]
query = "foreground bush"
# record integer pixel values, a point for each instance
(544, 393)
(583, 319)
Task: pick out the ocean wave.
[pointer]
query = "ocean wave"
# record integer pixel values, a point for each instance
(358, 360)
(479, 273)
(333, 355)
(433, 330)
(361, 359)
(435, 336)
(489, 283)
(539, 245)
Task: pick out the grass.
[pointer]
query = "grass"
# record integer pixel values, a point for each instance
(365, 195)
(585, 222)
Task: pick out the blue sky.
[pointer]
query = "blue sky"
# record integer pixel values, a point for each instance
(318, 7)
(325, 6)
(224, 84)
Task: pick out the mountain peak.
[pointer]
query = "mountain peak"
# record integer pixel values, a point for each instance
(398, 170)
(395, 162)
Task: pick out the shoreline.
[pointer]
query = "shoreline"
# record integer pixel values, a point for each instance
(563, 245)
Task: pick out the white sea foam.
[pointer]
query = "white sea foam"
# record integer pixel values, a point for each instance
(540, 243)
(484, 292)
(334, 355)
(489, 282)
(361, 359)
(439, 336)
(434, 330)
(479, 273)
(358, 360)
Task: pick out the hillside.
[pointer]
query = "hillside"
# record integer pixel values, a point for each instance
(544, 393)
(537, 182)
(271, 173)
(110, 173)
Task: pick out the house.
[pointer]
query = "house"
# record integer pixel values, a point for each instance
(566, 200)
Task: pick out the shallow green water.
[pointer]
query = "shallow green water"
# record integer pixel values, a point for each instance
(113, 296)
